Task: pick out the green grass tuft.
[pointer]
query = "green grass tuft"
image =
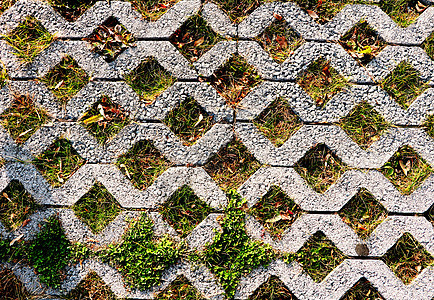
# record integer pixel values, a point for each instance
(232, 254)
(152, 10)
(23, 118)
(429, 125)
(320, 167)
(142, 164)
(92, 287)
(180, 289)
(149, 80)
(16, 204)
(58, 162)
(66, 79)
(364, 125)
(3, 77)
(189, 121)
(406, 170)
(140, 257)
(232, 165)
(97, 208)
(403, 12)
(29, 39)
(184, 210)
(404, 84)
(428, 45)
(278, 122)
(407, 258)
(71, 9)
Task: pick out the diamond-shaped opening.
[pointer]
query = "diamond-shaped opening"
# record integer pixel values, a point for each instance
(278, 122)
(11, 288)
(428, 45)
(320, 167)
(324, 11)
(232, 165)
(404, 84)
(142, 164)
(189, 121)
(149, 80)
(272, 289)
(194, 38)
(319, 256)
(105, 119)
(235, 79)
(362, 42)
(71, 9)
(364, 125)
(238, 10)
(29, 39)
(180, 288)
(407, 258)
(430, 214)
(23, 118)
(184, 210)
(16, 205)
(363, 289)
(403, 12)
(92, 287)
(110, 39)
(363, 213)
(321, 81)
(152, 10)
(66, 79)
(429, 125)
(276, 211)
(58, 162)
(97, 208)
(279, 40)
(406, 170)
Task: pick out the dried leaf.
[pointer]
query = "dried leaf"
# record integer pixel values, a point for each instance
(366, 50)
(274, 219)
(312, 14)
(277, 17)
(24, 133)
(199, 41)
(281, 40)
(405, 167)
(93, 119)
(16, 239)
(58, 85)
(27, 221)
(198, 121)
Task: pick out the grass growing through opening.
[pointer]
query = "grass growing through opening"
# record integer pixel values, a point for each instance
(406, 170)
(362, 42)
(16, 204)
(194, 38)
(272, 289)
(29, 39)
(232, 165)
(429, 125)
(364, 125)
(3, 77)
(105, 119)
(23, 118)
(97, 208)
(428, 45)
(152, 10)
(403, 12)
(66, 79)
(149, 80)
(324, 11)
(5, 4)
(180, 289)
(320, 167)
(184, 210)
(238, 10)
(407, 258)
(363, 289)
(318, 256)
(189, 121)
(278, 122)
(276, 211)
(404, 84)
(58, 162)
(235, 79)
(321, 81)
(92, 287)
(232, 254)
(110, 39)
(363, 213)
(11, 287)
(142, 164)
(279, 40)
(71, 9)
(140, 257)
